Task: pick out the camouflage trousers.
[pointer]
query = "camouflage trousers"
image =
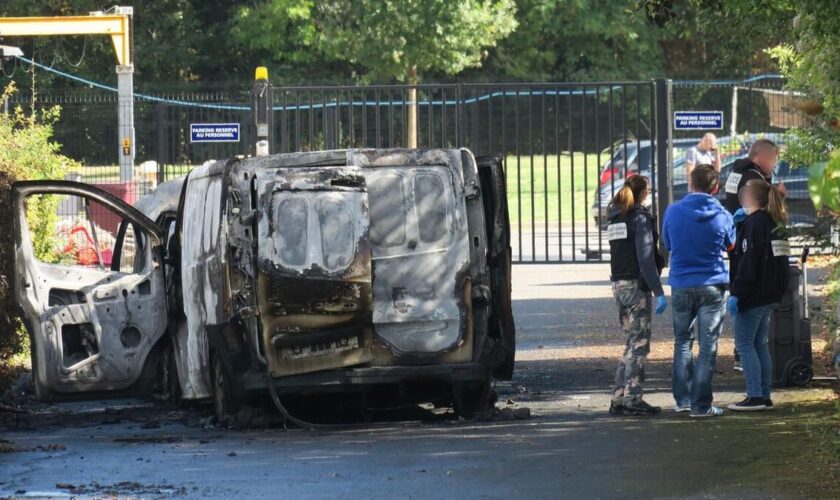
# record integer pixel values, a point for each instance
(634, 308)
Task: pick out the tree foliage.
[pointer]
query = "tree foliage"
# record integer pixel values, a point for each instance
(811, 62)
(717, 38)
(578, 40)
(26, 152)
(401, 39)
(218, 42)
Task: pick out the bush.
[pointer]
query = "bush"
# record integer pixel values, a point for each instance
(26, 152)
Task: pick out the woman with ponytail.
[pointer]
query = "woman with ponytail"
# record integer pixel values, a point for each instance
(759, 274)
(635, 265)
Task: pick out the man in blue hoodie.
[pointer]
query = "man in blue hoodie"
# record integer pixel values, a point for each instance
(697, 230)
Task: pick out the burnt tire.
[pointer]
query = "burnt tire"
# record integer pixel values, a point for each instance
(471, 398)
(225, 402)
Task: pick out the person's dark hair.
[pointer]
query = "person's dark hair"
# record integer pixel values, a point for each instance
(704, 179)
(768, 198)
(631, 193)
(761, 145)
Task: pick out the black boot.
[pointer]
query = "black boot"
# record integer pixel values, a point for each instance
(616, 408)
(639, 407)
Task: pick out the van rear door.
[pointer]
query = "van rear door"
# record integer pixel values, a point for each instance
(491, 175)
(421, 256)
(314, 268)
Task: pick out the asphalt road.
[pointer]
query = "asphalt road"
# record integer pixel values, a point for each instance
(569, 448)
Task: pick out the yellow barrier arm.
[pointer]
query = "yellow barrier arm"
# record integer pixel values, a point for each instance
(114, 25)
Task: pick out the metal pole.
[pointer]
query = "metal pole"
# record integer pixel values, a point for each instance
(664, 155)
(262, 100)
(125, 121)
(732, 126)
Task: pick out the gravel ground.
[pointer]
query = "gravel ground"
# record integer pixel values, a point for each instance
(570, 447)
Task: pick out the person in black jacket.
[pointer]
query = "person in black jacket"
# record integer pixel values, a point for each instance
(635, 265)
(759, 275)
(759, 165)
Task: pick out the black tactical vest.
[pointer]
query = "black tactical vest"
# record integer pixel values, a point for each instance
(621, 233)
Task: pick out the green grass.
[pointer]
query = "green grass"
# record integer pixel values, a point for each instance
(556, 190)
(557, 193)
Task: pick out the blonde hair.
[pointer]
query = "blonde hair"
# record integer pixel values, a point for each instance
(708, 137)
(631, 193)
(769, 198)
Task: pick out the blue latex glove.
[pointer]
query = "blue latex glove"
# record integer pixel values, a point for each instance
(739, 216)
(661, 304)
(732, 306)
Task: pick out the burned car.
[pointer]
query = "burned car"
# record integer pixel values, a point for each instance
(363, 271)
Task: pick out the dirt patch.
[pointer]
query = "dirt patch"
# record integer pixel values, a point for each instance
(148, 439)
(9, 447)
(504, 414)
(124, 488)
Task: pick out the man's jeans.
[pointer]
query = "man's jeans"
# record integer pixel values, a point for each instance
(692, 380)
(751, 329)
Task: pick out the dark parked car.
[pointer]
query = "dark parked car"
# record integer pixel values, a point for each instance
(800, 207)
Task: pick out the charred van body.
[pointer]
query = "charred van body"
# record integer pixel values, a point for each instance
(345, 270)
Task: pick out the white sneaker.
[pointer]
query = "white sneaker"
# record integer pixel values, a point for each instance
(714, 411)
(681, 409)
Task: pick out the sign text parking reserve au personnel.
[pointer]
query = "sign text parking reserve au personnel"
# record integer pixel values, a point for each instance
(698, 120)
(214, 132)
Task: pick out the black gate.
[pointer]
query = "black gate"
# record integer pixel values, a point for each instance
(568, 146)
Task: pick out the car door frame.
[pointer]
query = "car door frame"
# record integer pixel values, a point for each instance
(54, 381)
(500, 260)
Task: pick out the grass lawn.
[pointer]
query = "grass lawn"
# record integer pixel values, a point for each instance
(560, 184)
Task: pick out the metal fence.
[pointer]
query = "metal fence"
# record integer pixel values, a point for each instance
(566, 144)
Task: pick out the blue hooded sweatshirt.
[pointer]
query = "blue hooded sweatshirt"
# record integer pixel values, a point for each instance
(697, 230)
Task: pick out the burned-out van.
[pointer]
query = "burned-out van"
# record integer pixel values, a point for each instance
(360, 271)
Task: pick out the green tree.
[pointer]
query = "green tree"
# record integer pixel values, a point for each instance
(811, 62)
(175, 41)
(405, 39)
(577, 40)
(27, 151)
(717, 38)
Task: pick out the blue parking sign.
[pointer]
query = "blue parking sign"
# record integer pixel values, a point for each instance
(214, 132)
(698, 120)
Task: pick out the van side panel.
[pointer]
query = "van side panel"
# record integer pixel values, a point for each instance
(202, 279)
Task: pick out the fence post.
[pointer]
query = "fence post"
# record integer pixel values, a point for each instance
(160, 126)
(458, 120)
(664, 155)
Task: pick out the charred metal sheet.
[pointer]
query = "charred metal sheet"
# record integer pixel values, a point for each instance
(92, 328)
(202, 278)
(314, 274)
(419, 237)
(163, 199)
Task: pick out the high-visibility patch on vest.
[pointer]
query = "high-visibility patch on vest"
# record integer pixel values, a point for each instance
(621, 233)
(617, 231)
